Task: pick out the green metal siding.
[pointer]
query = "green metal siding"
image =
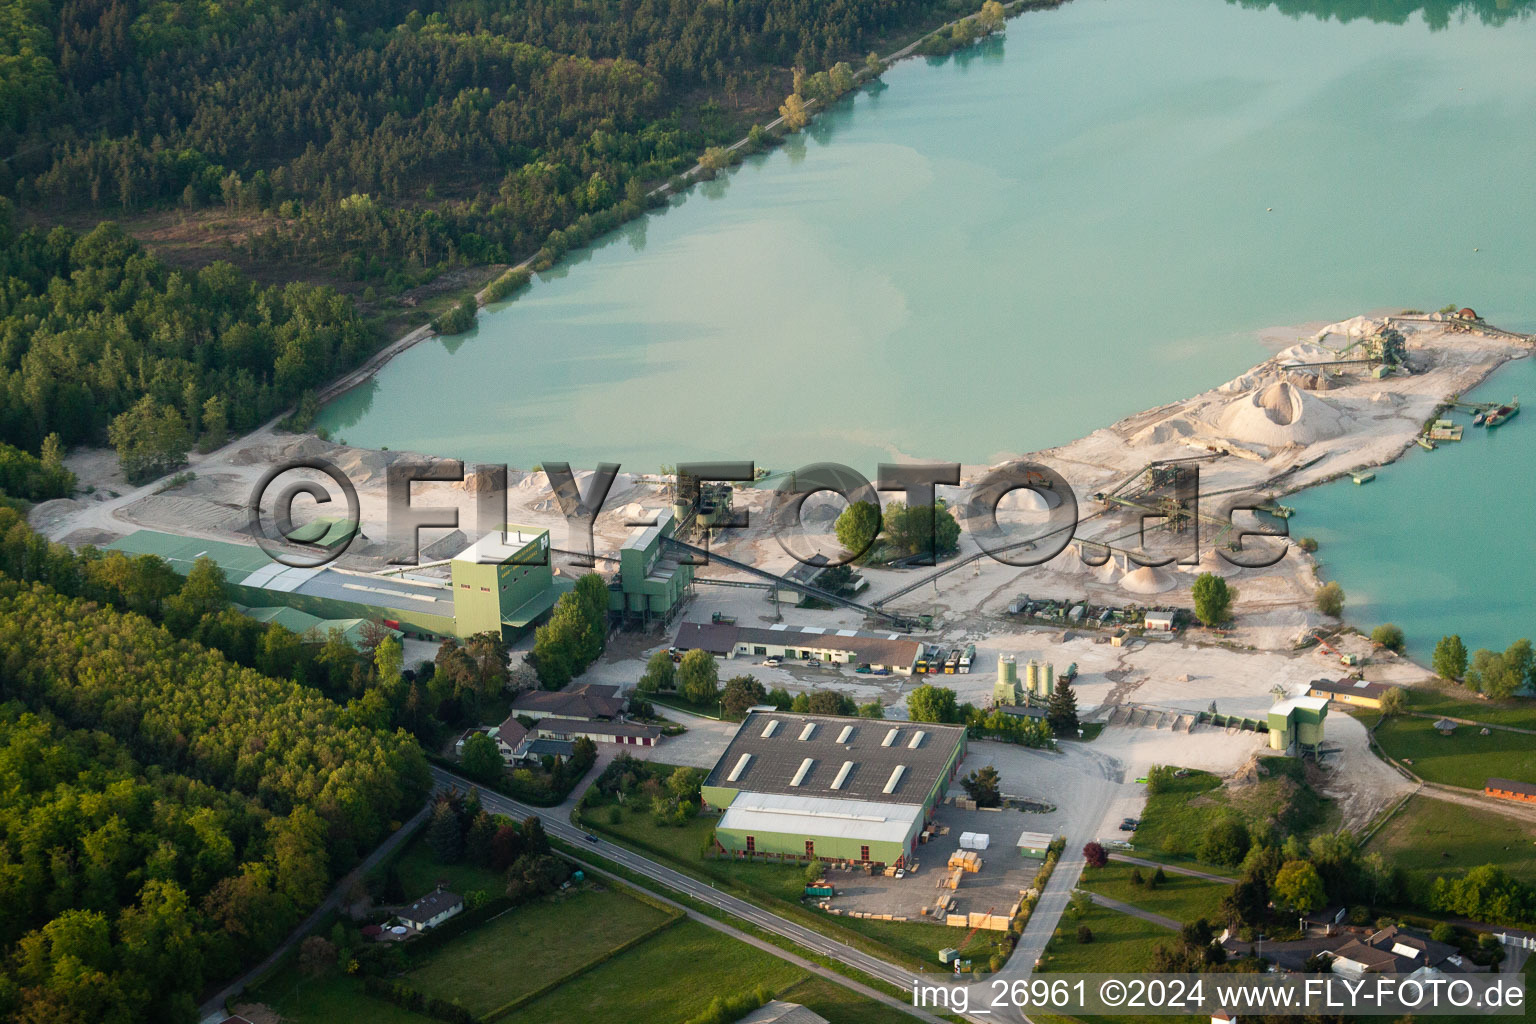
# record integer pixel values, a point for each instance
(826, 847)
(410, 620)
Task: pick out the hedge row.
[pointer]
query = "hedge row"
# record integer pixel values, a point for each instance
(729, 1009)
(405, 996)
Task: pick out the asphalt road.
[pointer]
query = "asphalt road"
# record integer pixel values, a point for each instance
(705, 893)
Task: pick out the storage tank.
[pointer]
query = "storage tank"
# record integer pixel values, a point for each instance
(1040, 677)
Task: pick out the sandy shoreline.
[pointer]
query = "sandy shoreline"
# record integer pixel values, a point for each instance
(1285, 430)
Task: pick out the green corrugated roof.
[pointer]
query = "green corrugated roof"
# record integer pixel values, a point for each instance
(327, 531)
(538, 604)
(303, 622)
(237, 560)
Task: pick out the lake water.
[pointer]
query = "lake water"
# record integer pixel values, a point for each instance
(1006, 249)
(1440, 542)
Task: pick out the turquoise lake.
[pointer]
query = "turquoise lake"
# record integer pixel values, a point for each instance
(1440, 542)
(1006, 249)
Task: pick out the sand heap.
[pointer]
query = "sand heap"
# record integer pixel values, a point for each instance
(1111, 571)
(1171, 429)
(1211, 562)
(1354, 327)
(1279, 415)
(1306, 352)
(1148, 580)
(1026, 500)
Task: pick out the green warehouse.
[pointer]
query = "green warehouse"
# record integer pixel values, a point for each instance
(497, 583)
(652, 582)
(1296, 725)
(852, 790)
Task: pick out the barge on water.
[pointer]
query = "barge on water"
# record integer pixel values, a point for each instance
(1502, 414)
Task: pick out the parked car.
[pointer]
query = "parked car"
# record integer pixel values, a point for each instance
(1126, 826)
(1133, 822)
(813, 663)
(772, 662)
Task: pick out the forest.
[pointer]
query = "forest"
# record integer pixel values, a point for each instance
(171, 814)
(385, 142)
(99, 340)
(367, 146)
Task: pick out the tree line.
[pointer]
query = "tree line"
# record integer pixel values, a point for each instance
(429, 700)
(99, 340)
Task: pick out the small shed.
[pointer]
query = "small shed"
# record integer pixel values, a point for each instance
(1510, 789)
(1034, 845)
(1160, 621)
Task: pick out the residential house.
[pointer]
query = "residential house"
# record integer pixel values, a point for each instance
(589, 710)
(431, 910)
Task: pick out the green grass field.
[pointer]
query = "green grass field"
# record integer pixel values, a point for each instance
(1175, 819)
(552, 938)
(1121, 944)
(1459, 702)
(1463, 758)
(1429, 837)
(664, 980)
(1182, 898)
(914, 944)
(1280, 800)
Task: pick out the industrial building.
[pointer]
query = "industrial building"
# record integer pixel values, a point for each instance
(1296, 725)
(1039, 682)
(652, 582)
(1350, 691)
(821, 786)
(891, 652)
(503, 582)
(808, 573)
(312, 627)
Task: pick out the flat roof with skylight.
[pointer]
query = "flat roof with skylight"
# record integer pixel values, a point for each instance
(828, 756)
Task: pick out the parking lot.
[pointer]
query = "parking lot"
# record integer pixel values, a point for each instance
(996, 887)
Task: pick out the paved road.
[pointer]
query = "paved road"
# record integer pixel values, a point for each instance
(1134, 911)
(1173, 870)
(767, 947)
(213, 1008)
(705, 893)
(1091, 785)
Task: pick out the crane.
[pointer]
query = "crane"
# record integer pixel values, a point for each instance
(972, 933)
